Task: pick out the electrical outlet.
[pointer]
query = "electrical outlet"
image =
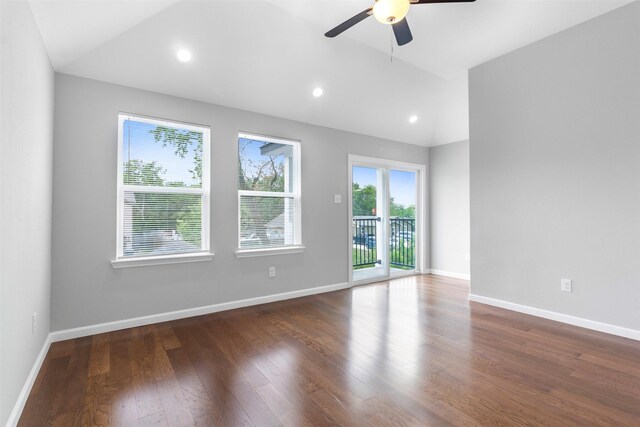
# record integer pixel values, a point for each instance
(34, 322)
(565, 285)
(467, 257)
(337, 198)
(272, 272)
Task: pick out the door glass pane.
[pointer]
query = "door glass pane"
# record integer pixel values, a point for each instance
(402, 189)
(367, 251)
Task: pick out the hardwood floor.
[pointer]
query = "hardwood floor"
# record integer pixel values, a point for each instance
(411, 351)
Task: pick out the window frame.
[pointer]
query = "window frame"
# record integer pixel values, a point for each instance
(204, 254)
(295, 195)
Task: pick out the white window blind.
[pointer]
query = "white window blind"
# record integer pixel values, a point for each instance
(163, 188)
(268, 192)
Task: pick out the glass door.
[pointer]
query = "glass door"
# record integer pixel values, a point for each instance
(403, 200)
(386, 205)
(369, 214)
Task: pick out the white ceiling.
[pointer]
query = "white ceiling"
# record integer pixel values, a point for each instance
(267, 56)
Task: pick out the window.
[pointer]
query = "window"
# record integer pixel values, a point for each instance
(163, 189)
(268, 194)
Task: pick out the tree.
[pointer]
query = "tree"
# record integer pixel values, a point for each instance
(260, 173)
(182, 141)
(265, 173)
(188, 224)
(364, 199)
(136, 172)
(402, 211)
(161, 211)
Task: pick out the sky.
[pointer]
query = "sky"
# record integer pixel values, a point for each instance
(402, 184)
(139, 144)
(251, 156)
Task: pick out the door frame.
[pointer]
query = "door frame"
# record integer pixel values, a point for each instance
(421, 212)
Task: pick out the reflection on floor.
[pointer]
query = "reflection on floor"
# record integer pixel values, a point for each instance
(410, 351)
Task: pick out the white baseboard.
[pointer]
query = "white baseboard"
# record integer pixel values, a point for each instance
(14, 417)
(84, 331)
(559, 317)
(450, 274)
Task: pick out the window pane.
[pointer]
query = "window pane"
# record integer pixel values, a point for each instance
(266, 221)
(161, 223)
(264, 166)
(161, 155)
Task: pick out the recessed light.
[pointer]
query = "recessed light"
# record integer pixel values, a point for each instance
(184, 55)
(317, 92)
(413, 119)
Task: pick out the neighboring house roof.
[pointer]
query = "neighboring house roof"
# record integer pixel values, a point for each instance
(173, 246)
(277, 222)
(129, 197)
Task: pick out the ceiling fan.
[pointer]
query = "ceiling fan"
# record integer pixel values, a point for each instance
(390, 12)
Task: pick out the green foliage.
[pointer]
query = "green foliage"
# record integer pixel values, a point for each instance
(364, 200)
(137, 172)
(360, 255)
(188, 224)
(182, 141)
(364, 203)
(161, 211)
(402, 211)
(403, 255)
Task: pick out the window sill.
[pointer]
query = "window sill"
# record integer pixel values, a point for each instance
(159, 260)
(249, 253)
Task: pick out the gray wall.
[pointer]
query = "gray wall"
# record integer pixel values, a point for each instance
(26, 131)
(555, 172)
(86, 289)
(449, 207)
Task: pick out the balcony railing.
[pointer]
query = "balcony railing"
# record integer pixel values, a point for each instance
(401, 242)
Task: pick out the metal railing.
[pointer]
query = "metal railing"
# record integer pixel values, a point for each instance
(365, 230)
(401, 242)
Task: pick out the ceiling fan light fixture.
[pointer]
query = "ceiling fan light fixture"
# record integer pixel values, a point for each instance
(390, 11)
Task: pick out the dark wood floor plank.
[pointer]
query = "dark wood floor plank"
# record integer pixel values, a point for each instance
(99, 355)
(97, 402)
(123, 405)
(407, 352)
(213, 374)
(46, 398)
(142, 351)
(202, 407)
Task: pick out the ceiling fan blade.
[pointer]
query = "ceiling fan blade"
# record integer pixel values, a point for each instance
(402, 32)
(439, 1)
(349, 23)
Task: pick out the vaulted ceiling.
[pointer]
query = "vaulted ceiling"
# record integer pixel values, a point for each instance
(268, 56)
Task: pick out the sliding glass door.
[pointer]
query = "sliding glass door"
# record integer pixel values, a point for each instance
(386, 205)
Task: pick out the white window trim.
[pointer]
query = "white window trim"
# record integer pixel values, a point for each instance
(280, 250)
(296, 194)
(205, 253)
(161, 259)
